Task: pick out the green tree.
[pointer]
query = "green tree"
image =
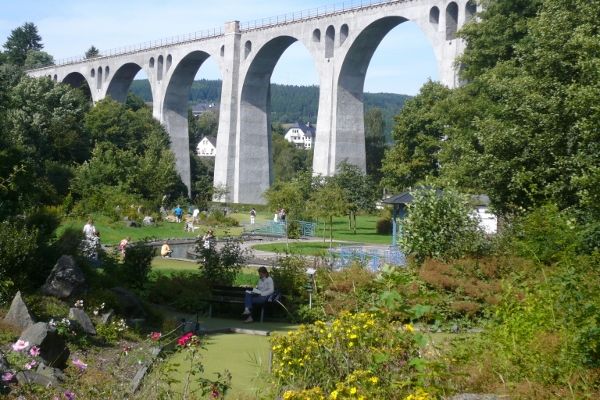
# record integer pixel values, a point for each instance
(37, 59)
(439, 225)
(22, 40)
(360, 193)
(92, 52)
(418, 135)
(374, 142)
(328, 202)
(288, 160)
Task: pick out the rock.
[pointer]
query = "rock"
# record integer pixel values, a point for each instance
(107, 317)
(18, 314)
(66, 279)
(53, 349)
(141, 372)
(131, 304)
(148, 220)
(54, 374)
(454, 328)
(28, 377)
(83, 320)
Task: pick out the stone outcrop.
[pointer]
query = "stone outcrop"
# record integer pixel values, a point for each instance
(18, 315)
(53, 349)
(65, 280)
(79, 316)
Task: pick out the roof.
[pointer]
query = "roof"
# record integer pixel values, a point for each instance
(212, 140)
(308, 129)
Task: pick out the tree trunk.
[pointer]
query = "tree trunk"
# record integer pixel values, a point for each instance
(330, 231)
(354, 218)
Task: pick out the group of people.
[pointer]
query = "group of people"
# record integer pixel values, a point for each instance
(279, 215)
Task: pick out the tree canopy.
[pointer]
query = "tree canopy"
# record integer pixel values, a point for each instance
(21, 41)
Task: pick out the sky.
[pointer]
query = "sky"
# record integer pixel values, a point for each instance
(402, 63)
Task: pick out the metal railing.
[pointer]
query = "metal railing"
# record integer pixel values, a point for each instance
(374, 259)
(312, 13)
(318, 12)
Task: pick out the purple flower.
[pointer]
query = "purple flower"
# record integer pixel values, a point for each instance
(69, 395)
(20, 345)
(79, 364)
(30, 364)
(34, 351)
(8, 376)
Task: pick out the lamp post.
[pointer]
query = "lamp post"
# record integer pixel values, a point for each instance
(310, 272)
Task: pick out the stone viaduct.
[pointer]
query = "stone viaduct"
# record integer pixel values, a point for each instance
(341, 41)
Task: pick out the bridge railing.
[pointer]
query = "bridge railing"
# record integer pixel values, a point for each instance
(311, 13)
(205, 34)
(318, 12)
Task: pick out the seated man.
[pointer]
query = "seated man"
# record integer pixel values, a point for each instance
(259, 294)
(165, 250)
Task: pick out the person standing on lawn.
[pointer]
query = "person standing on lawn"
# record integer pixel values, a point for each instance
(259, 295)
(178, 213)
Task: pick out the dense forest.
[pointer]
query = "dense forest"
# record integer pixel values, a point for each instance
(289, 103)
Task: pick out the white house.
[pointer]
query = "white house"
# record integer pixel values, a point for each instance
(302, 136)
(206, 147)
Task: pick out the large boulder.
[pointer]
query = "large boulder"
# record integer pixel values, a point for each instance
(65, 280)
(18, 314)
(53, 348)
(83, 320)
(131, 305)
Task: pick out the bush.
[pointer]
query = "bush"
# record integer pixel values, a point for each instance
(439, 225)
(384, 226)
(137, 264)
(18, 262)
(357, 355)
(179, 290)
(220, 267)
(293, 230)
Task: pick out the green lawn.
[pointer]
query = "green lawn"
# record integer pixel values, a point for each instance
(245, 356)
(167, 266)
(112, 232)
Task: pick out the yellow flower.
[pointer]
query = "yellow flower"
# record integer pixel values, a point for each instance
(353, 336)
(333, 395)
(352, 390)
(374, 380)
(288, 395)
(409, 328)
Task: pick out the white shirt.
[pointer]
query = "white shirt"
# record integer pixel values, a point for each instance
(266, 286)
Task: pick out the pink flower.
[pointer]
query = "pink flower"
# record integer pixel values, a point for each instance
(20, 345)
(155, 336)
(127, 349)
(34, 351)
(30, 364)
(79, 364)
(69, 395)
(183, 340)
(8, 376)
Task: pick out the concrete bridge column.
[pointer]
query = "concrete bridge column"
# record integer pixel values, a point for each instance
(227, 138)
(324, 152)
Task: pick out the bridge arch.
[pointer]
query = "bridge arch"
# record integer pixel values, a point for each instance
(175, 108)
(254, 165)
(120, 81)
(78, 80)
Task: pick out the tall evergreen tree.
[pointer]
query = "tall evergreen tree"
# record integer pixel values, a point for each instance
(22, 40)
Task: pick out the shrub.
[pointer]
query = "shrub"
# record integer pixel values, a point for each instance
(439, 225)
(384, 226)
(357, 354)
(18, 248)
(220, 267)
(137, 264)
(179, 290)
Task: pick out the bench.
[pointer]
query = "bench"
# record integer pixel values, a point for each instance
(236, 295)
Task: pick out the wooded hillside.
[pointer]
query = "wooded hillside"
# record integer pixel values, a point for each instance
(289, 103)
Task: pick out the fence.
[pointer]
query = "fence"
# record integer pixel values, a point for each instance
(373, 258)
(272, 228)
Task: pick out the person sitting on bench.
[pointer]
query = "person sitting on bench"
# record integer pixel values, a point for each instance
(259, 294)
